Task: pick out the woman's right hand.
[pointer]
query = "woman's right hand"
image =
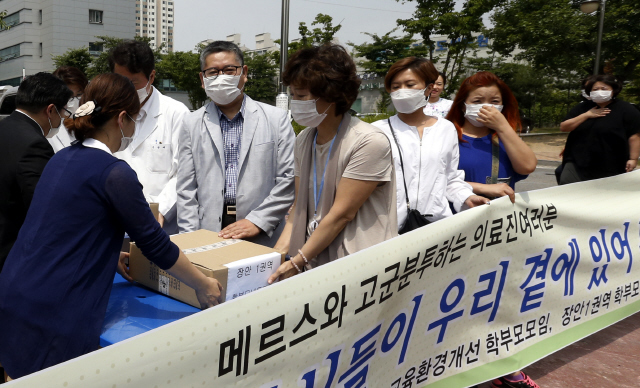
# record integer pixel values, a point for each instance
(286, 270)
(209, 294)
(597, 112)
(499, 190)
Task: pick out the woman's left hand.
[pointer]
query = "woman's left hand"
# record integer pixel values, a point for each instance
(476, 200)
(493, 118)
(631, 165)
(286, 270)
(122, 268)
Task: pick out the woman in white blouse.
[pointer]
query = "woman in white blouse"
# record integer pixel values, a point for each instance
(437, 106)
(428, 146)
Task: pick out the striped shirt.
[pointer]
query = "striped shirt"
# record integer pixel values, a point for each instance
(232, 136)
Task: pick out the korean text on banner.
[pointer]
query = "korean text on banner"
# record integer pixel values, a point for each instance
(457, 302)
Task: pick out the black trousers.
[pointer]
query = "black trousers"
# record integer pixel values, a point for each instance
(227, 219)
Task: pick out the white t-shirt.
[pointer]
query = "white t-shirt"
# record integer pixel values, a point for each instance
(430, 167)
(439, 108)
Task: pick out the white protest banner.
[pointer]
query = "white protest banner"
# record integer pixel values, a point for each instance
(460, 301)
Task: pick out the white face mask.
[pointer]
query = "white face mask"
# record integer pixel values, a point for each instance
(223, 89)
(600, 96)
(471, 113)
(585, 95)
(408, 100)
(142, 93)
(306, 114)
(125, 141)
(54, 131)
(73, 104)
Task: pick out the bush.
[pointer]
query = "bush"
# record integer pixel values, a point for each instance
(373, 118)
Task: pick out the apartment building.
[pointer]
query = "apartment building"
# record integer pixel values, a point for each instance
(40, 29)
(154, 19)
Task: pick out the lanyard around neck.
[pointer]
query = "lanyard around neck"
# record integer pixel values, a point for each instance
(317, 193)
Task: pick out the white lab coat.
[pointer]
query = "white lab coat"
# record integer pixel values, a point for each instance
(153, 154)
(430, 167)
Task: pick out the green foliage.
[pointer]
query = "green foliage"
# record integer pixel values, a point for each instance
(384, 102)
(78, 58)
(100, 64)
(439, 17)
(318, 36)
(384, 51)
(263, 71)
(3, 25)
(377, 117)
(324, 33)
(183, 67)
(542, 98)
(555, 36)
(297, 128)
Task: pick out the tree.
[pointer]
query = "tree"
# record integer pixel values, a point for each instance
(383, 52)
(100, 64)
(554, 35)
(183, 67)
(263, 71)
(3, 25)
(78, 58)
(439, 17)
(309, 38)
(318, 36)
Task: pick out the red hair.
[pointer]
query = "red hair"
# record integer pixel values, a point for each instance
(478, 80)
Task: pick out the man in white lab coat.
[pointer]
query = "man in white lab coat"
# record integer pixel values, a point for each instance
(153, 153)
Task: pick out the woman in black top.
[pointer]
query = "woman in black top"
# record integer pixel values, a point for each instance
(604, 139)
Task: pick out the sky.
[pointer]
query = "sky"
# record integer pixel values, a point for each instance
(197, 20)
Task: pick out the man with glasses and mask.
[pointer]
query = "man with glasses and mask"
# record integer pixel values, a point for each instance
(25, 151)
(235, 174)
(153, 154)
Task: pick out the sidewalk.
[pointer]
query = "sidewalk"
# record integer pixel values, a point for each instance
(609, 358)
(547, 147)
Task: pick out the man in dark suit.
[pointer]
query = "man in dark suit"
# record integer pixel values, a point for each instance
(24, 149)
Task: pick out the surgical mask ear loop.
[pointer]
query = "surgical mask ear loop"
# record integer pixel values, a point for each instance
(326, 110)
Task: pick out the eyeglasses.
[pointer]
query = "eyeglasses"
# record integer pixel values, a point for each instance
(66, 113)
(213, 73)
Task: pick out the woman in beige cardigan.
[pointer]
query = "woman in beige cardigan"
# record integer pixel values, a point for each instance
(344, 175)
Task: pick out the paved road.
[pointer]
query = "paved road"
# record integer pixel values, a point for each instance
(542, 178)
(608, 358)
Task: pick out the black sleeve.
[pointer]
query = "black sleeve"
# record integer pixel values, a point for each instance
(124, 192)
(631, 120)
(30, 167)
(578, 110)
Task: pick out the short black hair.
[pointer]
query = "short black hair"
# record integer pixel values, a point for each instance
(136, 56)
(38, 91)
(608, 79)
(220, 46)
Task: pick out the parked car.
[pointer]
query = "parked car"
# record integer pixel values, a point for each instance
(7, 100)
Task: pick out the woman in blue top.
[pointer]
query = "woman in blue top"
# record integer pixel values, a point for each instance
(56, 282)
(486, 111)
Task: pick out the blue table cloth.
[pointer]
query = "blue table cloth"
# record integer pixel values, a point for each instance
(134, 310)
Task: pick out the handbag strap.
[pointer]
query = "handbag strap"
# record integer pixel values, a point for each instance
(495, 158)
(395, 139)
